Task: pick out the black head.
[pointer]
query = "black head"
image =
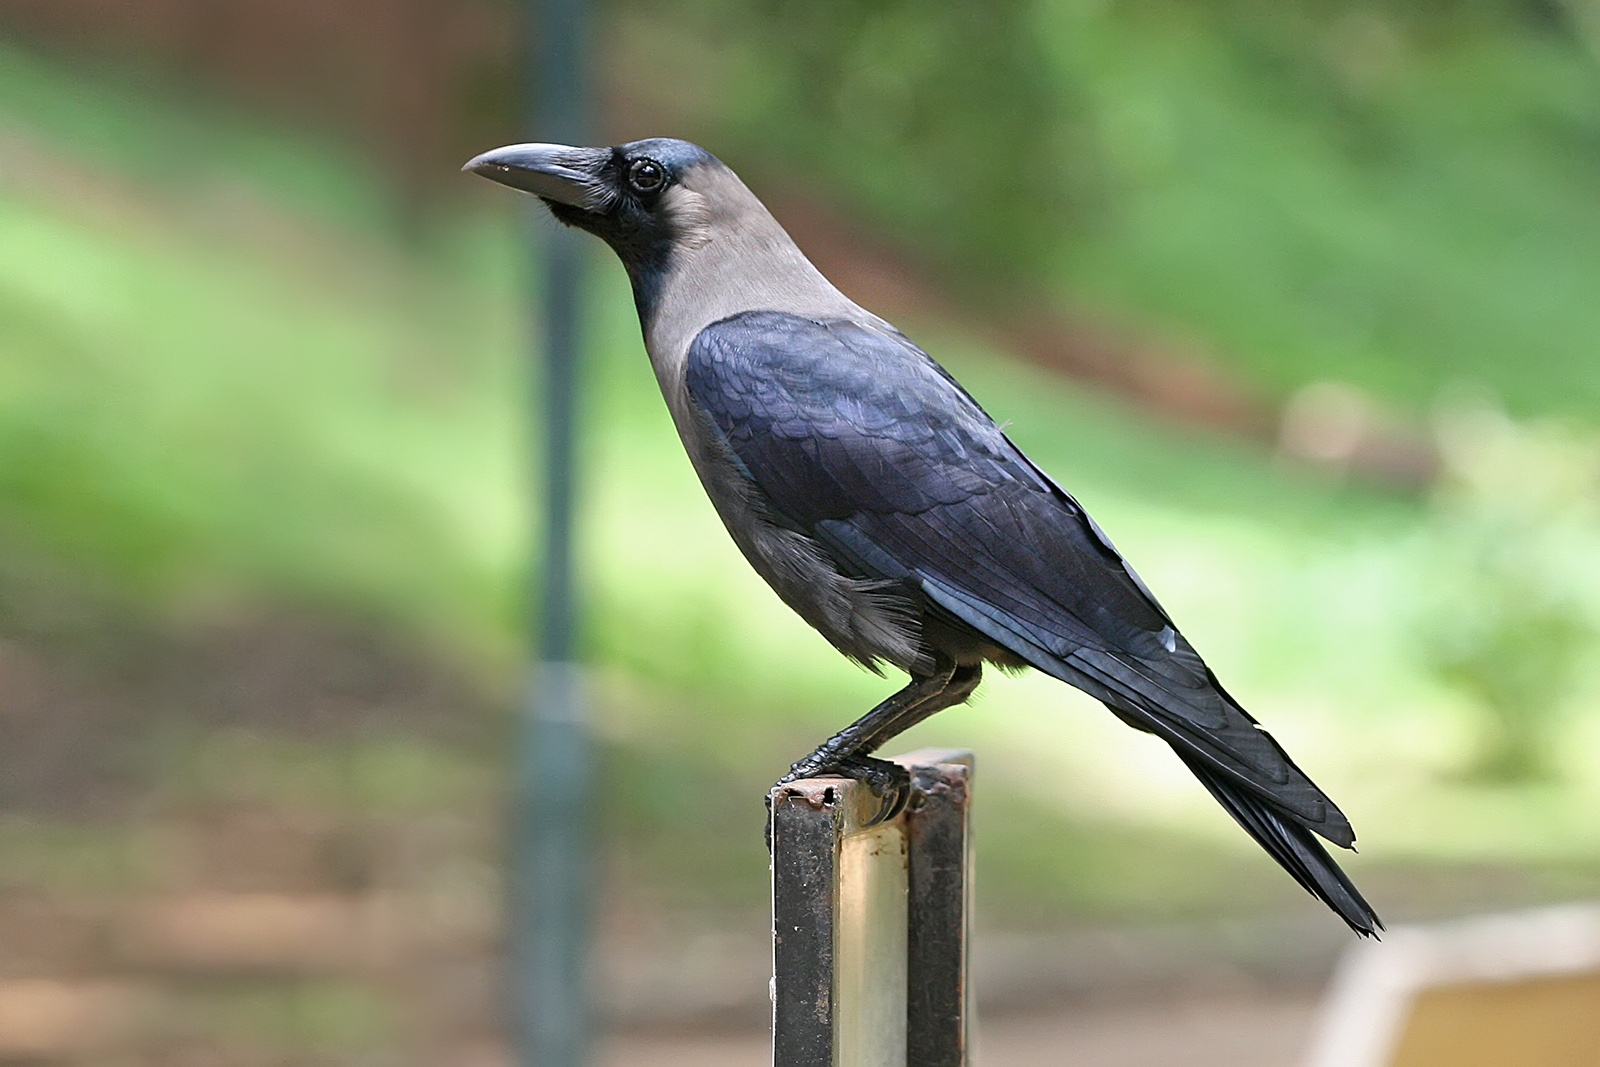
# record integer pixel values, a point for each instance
(640, 198)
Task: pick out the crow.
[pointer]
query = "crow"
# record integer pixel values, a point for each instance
(886, 508)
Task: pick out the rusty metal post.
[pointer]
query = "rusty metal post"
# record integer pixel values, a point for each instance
(870, 924)
(939, 831)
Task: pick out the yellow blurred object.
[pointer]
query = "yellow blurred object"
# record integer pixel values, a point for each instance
(1546, 1022)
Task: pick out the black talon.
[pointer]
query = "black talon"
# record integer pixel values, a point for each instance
(888, 781)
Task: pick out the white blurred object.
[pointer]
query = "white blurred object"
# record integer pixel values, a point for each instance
(1377, 985)
(1341, 428)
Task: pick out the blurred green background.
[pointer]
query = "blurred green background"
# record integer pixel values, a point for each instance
(1300, 299)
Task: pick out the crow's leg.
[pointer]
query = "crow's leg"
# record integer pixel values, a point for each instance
(957, 688)
(846, 753)
(875, 727)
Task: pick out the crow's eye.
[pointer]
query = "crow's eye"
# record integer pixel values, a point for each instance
(646, 175)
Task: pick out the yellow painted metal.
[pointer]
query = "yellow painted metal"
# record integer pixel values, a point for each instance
(870, 968)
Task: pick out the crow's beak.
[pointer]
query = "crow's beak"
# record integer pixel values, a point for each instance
(555, 172)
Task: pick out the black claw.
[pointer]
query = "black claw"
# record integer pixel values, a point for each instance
(894, 802)
(888, 781)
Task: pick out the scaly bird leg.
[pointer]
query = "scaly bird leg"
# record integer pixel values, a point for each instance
(847, 752)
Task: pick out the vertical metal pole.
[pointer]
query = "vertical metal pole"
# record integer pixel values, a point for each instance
(551, 846)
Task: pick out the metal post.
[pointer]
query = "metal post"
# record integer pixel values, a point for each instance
(870, 924)
(551, 846)
(939, 888)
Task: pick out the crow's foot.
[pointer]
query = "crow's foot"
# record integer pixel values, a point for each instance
(886, 780)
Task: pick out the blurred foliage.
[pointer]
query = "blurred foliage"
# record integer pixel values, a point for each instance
(941, 120)
(1397, 194)
(1513, 551)
(225, 381)
(237, 401)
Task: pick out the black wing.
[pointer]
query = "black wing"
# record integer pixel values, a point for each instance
(859, 439)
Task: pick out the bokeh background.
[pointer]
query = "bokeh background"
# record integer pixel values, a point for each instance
(1303, 300)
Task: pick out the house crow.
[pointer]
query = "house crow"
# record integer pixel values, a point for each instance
(883, 504)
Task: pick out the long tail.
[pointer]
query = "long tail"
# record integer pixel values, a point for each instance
(1292, 845)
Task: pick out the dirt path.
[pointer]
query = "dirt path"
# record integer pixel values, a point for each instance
(1193, 1033)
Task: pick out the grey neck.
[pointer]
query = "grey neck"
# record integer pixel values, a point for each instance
(735, 258)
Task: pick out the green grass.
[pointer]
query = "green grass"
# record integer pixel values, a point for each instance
(123, 122)
(206, 398)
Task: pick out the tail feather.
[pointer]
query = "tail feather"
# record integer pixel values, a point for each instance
(1293, 846)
